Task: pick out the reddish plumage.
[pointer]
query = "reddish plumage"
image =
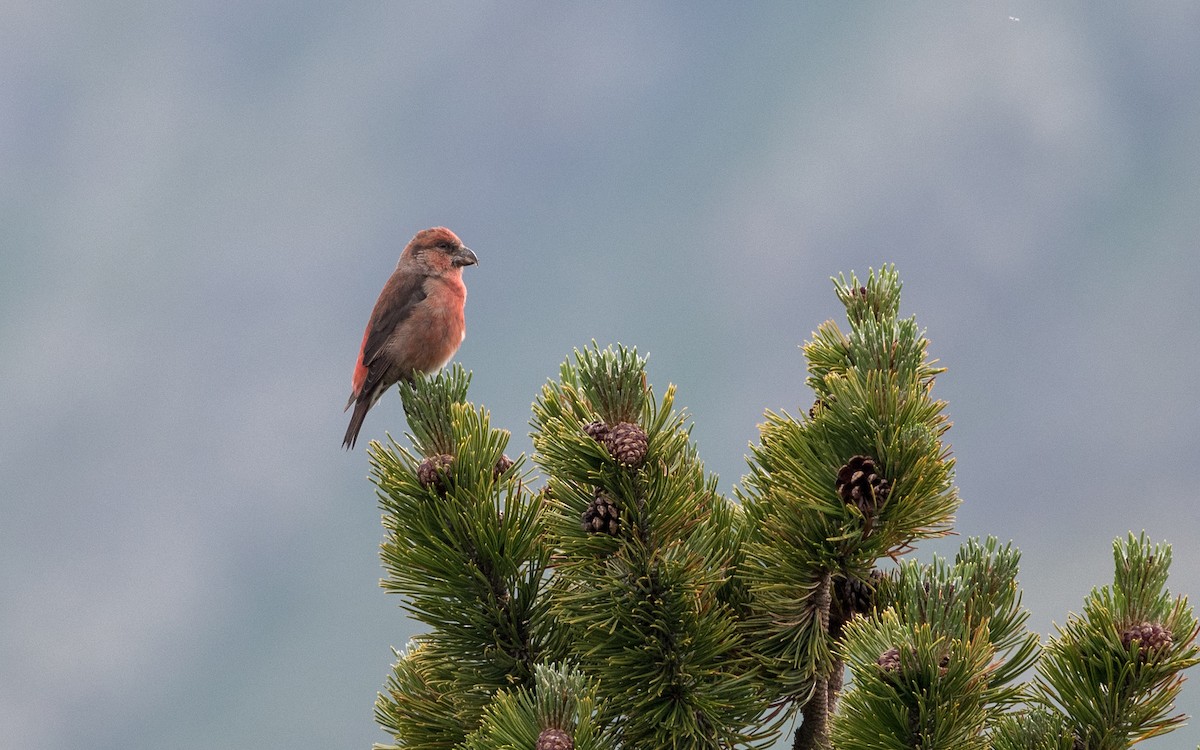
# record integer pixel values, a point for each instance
(417, 323)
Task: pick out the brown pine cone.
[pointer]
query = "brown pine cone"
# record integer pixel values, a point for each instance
(854, 596)
(627, 443)
(1151, 638)
(435, 472)
(596, 431)
(860, 483)
(602, 516)
(553, 738)
(889, 661)
(503, 464)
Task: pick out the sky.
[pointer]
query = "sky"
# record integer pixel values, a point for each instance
(201, 201)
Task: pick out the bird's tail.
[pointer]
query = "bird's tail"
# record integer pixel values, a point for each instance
(356, 420)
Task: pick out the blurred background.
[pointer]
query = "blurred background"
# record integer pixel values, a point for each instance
(201, 201)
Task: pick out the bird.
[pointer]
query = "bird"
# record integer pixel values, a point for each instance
(417, 323)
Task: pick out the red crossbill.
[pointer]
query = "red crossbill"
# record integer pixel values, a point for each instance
(417, 323)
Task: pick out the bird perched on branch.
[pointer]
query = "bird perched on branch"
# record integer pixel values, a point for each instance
(417, 323)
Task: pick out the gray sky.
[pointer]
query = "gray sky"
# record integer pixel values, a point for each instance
(201, 201)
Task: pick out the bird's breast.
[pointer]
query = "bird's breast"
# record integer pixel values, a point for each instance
(436, 329)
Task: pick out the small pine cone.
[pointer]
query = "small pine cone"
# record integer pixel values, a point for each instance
(876, 581)
(553, 738)
(942, 590)
(854, 595)
(943, 664)
(860, 484)
(1152, 639)
(889, 661)
(597, 431)
(627, 442)
(817, 407)
(433, 472)
(503, 464)
(602, 516)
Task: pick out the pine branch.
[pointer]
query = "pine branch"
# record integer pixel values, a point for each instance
(1037, 729)
(628, 604)
(1114, 671)
(863, 477)
(643, 559)
(427, 407)
(560, 711)
(813, 733)
(425, 705)
(465, 548)
(913, 687)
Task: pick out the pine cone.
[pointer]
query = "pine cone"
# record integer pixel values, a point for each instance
(503, 464)
(627, 442)
(1152, 640)
(602, 516)
(854, 596)
(553, 738)
(434, 472)
(943, 665)
(859, 484)
(889, 661)
(891, 664)
(597, 431)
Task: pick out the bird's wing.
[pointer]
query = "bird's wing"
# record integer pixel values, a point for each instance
(404, 292)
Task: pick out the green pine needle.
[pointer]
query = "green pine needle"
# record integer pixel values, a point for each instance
(562, 697)
(877, 298)
(1115, 694)
(873, 390)
(427, 401)
(630, 604)
(646, 608)
(612, 381)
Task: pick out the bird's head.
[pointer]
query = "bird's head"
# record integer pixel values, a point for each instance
(440, 250)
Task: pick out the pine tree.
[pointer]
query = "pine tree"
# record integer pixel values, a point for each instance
(623, 602)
